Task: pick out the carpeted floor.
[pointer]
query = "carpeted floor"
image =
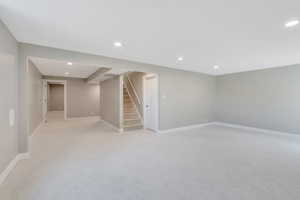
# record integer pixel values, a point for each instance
(86, 160)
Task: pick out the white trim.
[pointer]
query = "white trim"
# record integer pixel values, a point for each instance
(120, 130)
(267, 131)
(45, 99)
(37, 128)
(5, 173)
(82, 118)
(64, 82)
(121, 103)
(65, 99)
(30, 137)
(182, 128)
(157, 106)
(26, 96)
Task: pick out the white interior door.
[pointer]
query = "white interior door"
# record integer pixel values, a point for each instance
(45, 99)
(151, 102)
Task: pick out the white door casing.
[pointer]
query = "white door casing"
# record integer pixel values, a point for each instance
(151, 102)
(45, 96)
(45, 99)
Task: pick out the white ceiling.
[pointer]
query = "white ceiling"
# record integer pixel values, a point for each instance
(59, 68)
(237, 35)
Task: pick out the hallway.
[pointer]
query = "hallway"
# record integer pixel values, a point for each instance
(55, 116)
(85, 159)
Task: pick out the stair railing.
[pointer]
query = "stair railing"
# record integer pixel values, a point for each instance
(130, 86)
(132, 92)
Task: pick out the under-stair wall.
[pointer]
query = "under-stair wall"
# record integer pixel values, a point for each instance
(110, 101)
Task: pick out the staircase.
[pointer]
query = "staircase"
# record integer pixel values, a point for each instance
(132, 120)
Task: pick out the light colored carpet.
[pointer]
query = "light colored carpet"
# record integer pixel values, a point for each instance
(86, 160)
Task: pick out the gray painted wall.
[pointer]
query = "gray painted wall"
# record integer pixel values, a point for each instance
(56, 98)
(35, 97)
(189, 82)
(189, 102)
(268, 99)
(110, 99)
(186, 98)
(82, 98)
(8, 100)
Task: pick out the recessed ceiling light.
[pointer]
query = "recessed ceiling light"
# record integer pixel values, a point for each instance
(216, 67)
(118, 44)
(67, 73)
(180, 58)
(291, 23)
(69, 63)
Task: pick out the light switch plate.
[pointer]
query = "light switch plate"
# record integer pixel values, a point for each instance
(11, 117)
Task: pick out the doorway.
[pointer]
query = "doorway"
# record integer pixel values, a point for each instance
(150, 84)
(54, 100)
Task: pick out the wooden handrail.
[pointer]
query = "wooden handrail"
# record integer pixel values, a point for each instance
(134, 90)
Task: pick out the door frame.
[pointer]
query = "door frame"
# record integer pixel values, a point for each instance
(156, 107)
(64, 83)
(121, 113)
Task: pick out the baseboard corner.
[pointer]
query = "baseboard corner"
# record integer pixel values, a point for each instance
(119, 130)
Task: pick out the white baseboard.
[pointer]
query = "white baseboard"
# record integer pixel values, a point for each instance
(186, 127)
(34, 132)
(12, 165)
(268, 131)
(30, 137)
(120, 130)
(78, 118)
